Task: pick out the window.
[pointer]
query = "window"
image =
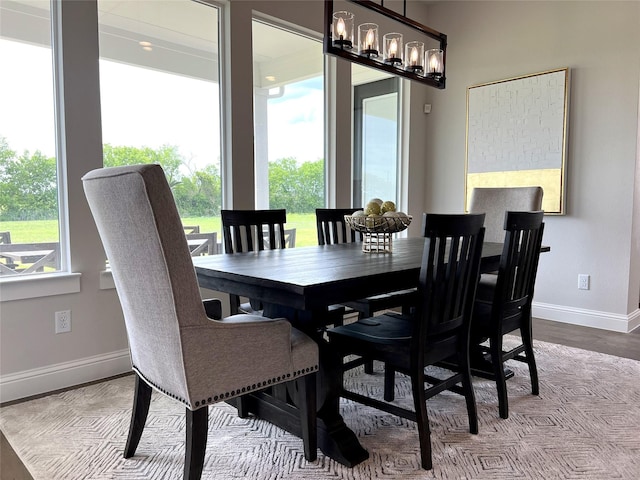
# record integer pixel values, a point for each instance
(29, 207)
(160, 97)
(289, 126)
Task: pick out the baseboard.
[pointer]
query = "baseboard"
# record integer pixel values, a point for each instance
(587, 318)
(63, 375)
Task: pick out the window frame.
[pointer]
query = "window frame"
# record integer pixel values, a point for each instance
(10, 292)
(361, 92)
(64, 280)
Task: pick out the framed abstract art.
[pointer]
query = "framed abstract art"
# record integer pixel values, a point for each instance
(517, 135)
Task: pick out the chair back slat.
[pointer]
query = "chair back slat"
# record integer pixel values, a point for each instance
(331, 227)
(449, 273)
(245, 230)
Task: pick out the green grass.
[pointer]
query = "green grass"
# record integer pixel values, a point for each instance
(35, 231)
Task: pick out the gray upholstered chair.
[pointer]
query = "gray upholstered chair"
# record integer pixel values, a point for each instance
(495, 201)
(176, 349)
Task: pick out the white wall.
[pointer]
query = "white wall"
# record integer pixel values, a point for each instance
(599, 41)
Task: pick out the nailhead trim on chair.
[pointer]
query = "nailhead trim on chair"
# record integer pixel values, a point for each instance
(161, 390)
(233, 393)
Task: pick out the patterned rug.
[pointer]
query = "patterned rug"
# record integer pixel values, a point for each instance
(584, 425)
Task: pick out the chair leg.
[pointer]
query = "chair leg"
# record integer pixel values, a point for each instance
(389, 383)
(498, 370)
(307, 406)
(197, 429)
(368, 367)
(422, 419)
(467, 386)
(366, 313)
(527, 340)
(234, 304)
(141, 402)
(241, 405)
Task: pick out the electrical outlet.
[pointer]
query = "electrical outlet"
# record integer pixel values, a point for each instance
(63, 321)
(583, 281)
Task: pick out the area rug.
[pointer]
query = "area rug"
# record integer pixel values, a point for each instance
(585, 424)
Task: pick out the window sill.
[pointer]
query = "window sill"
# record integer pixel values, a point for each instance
(35, 286)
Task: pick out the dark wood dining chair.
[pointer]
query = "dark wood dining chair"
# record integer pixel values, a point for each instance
(503, 301)
(437, 329)
(331, 227)
(179, 348)
(246, 231)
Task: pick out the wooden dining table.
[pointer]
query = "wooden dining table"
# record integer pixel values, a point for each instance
(300, 284)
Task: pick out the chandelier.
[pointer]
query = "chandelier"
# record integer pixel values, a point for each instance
(392, 55)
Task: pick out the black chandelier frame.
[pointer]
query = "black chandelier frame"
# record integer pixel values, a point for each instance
(353, 56)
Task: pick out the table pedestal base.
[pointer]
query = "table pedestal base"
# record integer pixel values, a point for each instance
(335, 439)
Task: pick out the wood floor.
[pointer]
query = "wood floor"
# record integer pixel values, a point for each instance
(625, 345)
(612, 343)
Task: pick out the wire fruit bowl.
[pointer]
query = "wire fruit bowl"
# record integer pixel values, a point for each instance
(378, 224)
(377, 231)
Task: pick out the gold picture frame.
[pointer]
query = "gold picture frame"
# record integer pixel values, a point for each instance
(517, 135)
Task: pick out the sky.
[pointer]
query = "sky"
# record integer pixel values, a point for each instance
(142, 107)
(296, 122)
(26, 108)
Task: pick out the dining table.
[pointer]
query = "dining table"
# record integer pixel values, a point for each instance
(300, 284)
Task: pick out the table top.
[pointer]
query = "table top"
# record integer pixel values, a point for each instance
(309, 278)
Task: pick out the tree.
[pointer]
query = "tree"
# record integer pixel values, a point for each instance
(197, 194)
(167, 156)
(200, 194)
(29, 187)
(299, 189)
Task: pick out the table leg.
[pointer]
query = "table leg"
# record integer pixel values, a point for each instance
(335, 438)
